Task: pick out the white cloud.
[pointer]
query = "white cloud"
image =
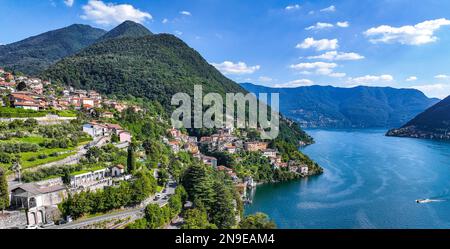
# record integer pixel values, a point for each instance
(320, 25)
(411, 78)
(69, 3)
(322, 68)
(337, 75)
(109, 13)
(228, 67)
(434, 90)
(442, 77)
(329, 9)
(421, 33)
(165, 20)
(295, 83)
(177, 32)
(372, 80)
(319, 45)
(338, 56)
(343, 24)
(293, 7)
(265, 79)
(185, 13)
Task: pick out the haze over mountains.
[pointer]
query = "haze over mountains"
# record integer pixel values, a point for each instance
(358, 107)
(37, 53)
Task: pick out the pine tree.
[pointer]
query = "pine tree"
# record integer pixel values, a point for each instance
(4, 195)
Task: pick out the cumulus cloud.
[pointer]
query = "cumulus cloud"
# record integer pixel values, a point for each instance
(411, 78)
(293, 7)
(185, 13)
(343, 24)
(228, 67)
(372, 80)
(421, 33)
(320, 25)
(69, 3)
(319, 45)
(323, 68)
(165, 20)
(329, 9)
(295, 83)
(177, 32)
(434, 90)
(442, 77)
(338, 56)
(109, 13)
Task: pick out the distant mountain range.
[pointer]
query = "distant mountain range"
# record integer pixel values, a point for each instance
(433, 123)
(358, 107)
(37, 53)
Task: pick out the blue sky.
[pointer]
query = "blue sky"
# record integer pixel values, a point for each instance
(398, 43)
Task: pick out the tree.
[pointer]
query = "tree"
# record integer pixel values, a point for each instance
(21, 86)
(197, 219)
(66, 176)
(257, 221)
(4, 194)
(223, 211)
(131, 160)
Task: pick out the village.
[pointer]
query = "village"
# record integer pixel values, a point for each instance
(35, 204)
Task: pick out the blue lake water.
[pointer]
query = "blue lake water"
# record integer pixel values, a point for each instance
(370, 181)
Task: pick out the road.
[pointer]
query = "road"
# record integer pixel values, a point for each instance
(134, 213)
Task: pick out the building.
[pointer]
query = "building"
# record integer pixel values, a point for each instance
(255, 146)
(209, 160)
(304, 170)
(91, 180)
(174, 145)
(124, 136)
(107, 115)
(117, 170)
(270, 153)
(39, 199)
(24, 100)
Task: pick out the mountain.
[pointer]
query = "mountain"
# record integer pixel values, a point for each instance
(35, 54)
(433, 123)
(358, 107)
(126, 29)
(154, 67)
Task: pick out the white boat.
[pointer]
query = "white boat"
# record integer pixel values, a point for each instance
(423, 201)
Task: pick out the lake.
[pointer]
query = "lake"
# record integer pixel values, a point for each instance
(370, 181)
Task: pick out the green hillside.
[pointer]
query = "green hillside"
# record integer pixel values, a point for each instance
(35, 54)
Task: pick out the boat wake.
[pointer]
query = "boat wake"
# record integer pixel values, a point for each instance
(424, 201)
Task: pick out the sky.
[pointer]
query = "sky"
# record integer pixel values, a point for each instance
(277, 43)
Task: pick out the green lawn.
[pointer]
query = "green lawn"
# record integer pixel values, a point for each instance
(30, 139)
(29, 164)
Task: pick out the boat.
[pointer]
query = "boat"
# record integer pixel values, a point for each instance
(422, 201)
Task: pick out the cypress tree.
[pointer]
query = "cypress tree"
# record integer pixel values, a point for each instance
(4, 195)
(131, 160)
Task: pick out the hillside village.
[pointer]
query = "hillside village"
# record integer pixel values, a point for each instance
(40, 194)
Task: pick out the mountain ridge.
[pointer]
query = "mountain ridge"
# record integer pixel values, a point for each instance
(433, 123)
(357, 107)
(36, 53)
